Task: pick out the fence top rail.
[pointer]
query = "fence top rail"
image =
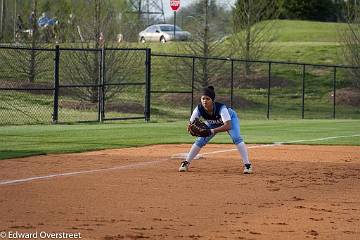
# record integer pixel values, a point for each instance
(130, 49)
(9, 46)
(252, 61)
(100, 49)
(26, 48)
(2, 46)
(80, 49)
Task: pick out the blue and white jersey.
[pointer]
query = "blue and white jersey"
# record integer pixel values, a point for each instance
(219, 115)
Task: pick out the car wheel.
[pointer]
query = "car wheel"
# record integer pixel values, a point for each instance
(162, 39)
(142, 40)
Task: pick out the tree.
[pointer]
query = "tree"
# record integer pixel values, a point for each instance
(252, 30)
(130, 24)
(219, 17)
(6, 20)
(205, 42)
(92, 26)
(2, 18)
(35, 35)
(351, 40)
(99, 28)
(316, 10)
(27, 65)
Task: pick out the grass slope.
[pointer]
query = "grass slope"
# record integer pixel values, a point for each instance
(308, 31)
(19, 141)
(295, 41)
(307, 41)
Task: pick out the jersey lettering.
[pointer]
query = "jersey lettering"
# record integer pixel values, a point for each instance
(215, 118)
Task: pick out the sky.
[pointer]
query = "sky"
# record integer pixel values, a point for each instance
(184, 3)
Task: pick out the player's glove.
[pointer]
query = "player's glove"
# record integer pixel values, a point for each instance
(199, 129)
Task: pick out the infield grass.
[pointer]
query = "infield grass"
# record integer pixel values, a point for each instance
(20, 141)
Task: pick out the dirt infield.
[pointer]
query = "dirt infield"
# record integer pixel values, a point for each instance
(296, 192)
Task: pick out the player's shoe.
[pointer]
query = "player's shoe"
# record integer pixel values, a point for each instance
(247, 169)
(184, 166)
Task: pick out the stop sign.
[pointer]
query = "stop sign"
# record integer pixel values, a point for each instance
(174, 4)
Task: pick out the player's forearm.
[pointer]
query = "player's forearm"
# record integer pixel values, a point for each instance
(223, 128)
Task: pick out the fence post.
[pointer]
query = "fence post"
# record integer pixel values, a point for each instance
(269, 87)
(99, 61)
(334, 93)
(102, 86)
(55, 114)
(148, 84)
(192, 85)
(232, 84)
(303, 94)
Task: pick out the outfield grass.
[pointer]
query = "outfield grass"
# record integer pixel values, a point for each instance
(19, 141)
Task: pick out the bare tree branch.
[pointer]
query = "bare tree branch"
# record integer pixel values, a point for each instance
(351, 40)
(252, 30)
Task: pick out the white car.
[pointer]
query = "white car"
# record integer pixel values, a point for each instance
(163, 33)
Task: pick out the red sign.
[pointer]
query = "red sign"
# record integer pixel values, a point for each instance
(175, 4)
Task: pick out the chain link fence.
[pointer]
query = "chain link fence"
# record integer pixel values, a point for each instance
(255, 89)
(65, 85)
(26, 84)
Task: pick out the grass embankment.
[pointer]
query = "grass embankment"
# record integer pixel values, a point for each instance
(19, 141)
(295, 41)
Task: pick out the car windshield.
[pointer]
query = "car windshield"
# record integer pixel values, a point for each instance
(169, 28)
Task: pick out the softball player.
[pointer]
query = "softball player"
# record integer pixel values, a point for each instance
(220, 119)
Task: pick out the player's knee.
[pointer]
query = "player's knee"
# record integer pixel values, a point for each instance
(237, 140)
(200, 142)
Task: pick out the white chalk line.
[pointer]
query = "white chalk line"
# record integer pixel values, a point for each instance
(234, 149)
(320, 139)
(142, 164)
(280, 143)
(130, 166)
